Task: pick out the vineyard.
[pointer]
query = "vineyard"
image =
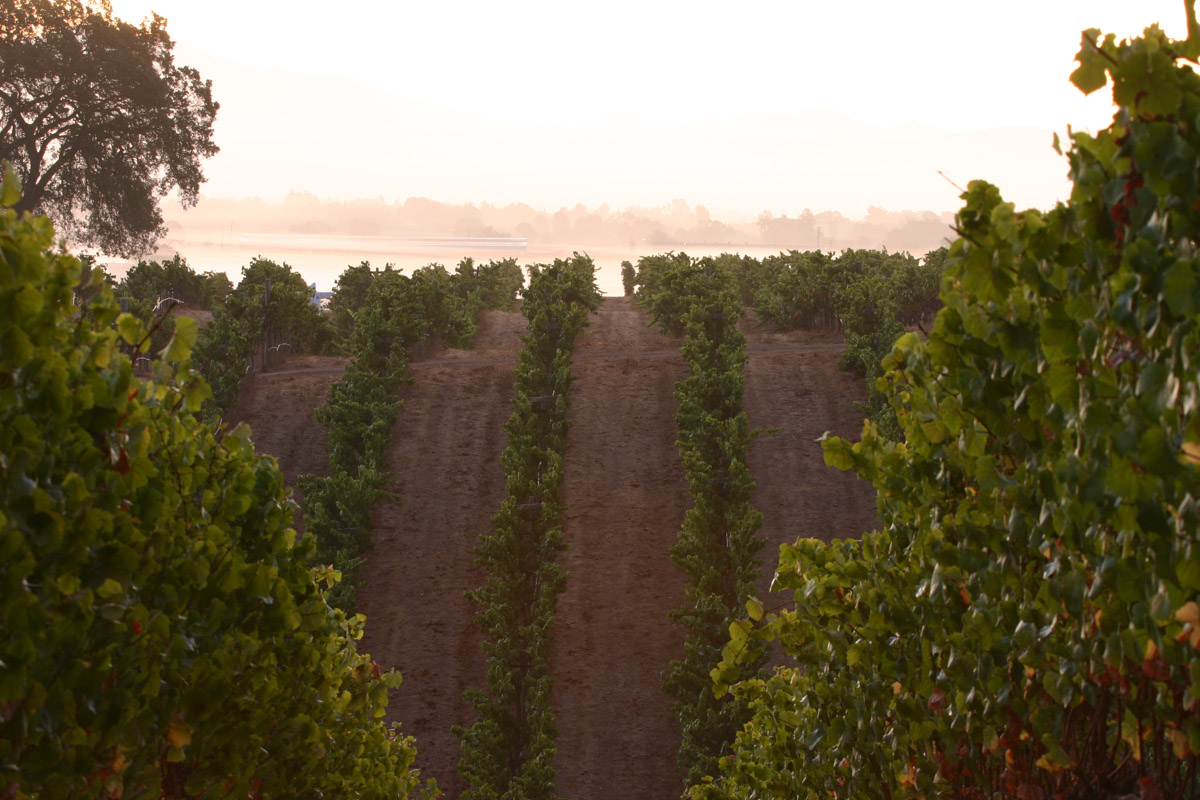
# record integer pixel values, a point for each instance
(625, 497)
(819, 525)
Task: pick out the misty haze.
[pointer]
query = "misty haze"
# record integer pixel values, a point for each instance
(321, 237)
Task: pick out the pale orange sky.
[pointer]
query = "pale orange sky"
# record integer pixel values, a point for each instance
(773, 106)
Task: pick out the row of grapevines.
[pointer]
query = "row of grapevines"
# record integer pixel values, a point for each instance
(718, 544)
(389, 314)
(227, 344)
(450, 301)
(1027, 622)
(800, 289)
(163, 634)
(150, 291)
(509, 750)
(661, 285)
(869, 295)
(149, 283)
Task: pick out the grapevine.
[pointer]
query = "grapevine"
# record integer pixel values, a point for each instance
(718, 543)
(382, 316)
(509, 750)
(1026, 623)
(163, 634)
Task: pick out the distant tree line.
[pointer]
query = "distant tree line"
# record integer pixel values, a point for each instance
(667, 227)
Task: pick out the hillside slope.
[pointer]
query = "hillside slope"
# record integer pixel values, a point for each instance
(444, 459)
(280, 407)
(625, 497)
(793, 386)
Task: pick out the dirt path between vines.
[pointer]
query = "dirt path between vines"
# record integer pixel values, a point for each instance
(280, 406)
(625, 495)
(793, 384)
(444, 459)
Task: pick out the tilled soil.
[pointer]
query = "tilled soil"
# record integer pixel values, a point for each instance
(793, 385)
(625, 494)
(444, 460)
(280, 407)
(625, 497)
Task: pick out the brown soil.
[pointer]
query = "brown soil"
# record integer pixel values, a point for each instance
(625, 498)
(201, 316)
(793, 385)
(445, 465)
(625, 494)
(280, 407)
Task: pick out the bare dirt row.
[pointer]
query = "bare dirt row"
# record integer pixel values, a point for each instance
(793, 387)
(625, 498)
(445, 465)
(280, 407)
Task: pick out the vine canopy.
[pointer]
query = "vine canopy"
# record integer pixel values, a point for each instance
(163, 633)
(1027, 621)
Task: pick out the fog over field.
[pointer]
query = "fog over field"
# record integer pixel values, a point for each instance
(341, 138)
(628, 128)
(616, 189)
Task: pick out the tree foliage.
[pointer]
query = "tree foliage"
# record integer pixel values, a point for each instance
(163, 634)
(1027, 622)
(99, 121)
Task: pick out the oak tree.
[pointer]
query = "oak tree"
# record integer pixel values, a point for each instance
(98, 120)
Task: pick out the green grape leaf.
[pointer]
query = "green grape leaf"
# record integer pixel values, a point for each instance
(1092, 73)
(755, 609)
(110, 589)
(179, 348)
(1187, 571)
(68, 584)
(10, 187)
(1179, 287)
(131, 329)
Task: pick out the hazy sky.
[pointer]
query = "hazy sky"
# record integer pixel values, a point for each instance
(574, 84)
